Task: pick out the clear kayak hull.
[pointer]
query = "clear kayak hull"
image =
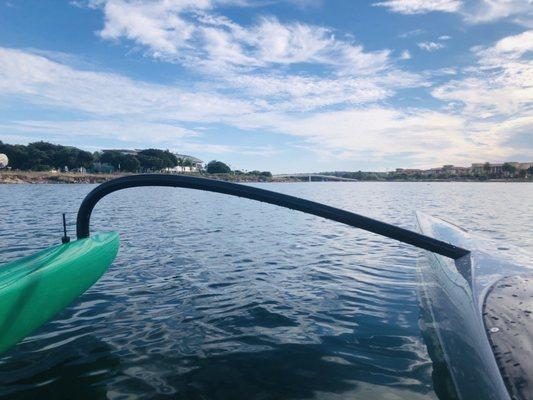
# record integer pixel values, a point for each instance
(453, 294)
(35, 288)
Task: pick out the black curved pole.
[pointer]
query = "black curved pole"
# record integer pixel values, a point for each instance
(266, 196)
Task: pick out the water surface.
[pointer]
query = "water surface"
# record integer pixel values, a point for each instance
(219, 297)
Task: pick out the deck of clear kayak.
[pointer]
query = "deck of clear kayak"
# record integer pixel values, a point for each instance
(459, 298)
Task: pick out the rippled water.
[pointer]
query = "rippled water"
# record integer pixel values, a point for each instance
(214, 297)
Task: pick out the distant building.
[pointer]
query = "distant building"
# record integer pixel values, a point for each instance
(4, 161)
(122, 151)
(186, 163)
(497, 168)
(486, 168)
(453, 170)
(408, 171)
(474, 169)
(431, 172)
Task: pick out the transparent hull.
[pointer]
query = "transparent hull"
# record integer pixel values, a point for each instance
(452, 294)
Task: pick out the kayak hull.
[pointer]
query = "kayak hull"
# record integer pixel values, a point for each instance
(451, 310)
(35, 288)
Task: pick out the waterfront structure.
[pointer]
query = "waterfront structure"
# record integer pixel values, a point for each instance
(453, 170)
(498, 168)
(186, 163)
(124, 152)
(509, 168)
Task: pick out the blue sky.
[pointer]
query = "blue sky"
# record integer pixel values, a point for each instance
(286, 86)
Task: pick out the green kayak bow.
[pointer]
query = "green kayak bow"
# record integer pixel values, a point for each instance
(34, 289)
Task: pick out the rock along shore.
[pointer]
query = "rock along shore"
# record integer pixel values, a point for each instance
(34, 177)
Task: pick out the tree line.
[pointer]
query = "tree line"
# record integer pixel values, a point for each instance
(145, 160)
(508, 171)
(44, 156)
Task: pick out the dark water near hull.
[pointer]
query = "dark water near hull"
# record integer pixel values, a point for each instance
(213, 297)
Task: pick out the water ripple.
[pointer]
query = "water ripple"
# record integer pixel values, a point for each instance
(218, 297)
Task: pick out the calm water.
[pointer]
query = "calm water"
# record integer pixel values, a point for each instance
(213, 297)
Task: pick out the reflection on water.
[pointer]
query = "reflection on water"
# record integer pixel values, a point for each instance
(218, 297)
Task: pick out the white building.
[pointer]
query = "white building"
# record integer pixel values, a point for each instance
(186, 163)
(124, 152)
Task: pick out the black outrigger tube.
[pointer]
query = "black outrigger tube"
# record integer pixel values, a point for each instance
(266, 196)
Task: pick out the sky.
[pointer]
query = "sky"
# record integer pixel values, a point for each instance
(279, 85)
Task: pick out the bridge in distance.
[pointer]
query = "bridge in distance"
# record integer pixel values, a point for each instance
(315, 177)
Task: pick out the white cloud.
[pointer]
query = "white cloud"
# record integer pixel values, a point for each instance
(303, 4)
(379, 131)
(133, 134)
(496, 96)
(405, 55)
(45, 82)
(341, 115)
(501, 85)
(113, 106)
(420, 6)
(488, 106)
(189, 32)
(289, 43)
(133, 131)
(483, 11)
(307, 93)
(445, 37)
(42, 81)
(426, 137)
(472, 11)
(158, 24)
(506, 49)
(414, 32)
(430, 46)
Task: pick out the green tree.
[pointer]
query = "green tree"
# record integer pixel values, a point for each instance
(217, 167)
(37, 160)
(119, 161)
(112, 158)
(509, 169)
(84, 159)
(130, 163)
(165, 157)
(45, 156)
(151, 163)
(17, 155)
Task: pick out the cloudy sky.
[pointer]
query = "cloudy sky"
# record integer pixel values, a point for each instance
(287, 85)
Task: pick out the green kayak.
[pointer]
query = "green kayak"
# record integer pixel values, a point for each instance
(35, 288)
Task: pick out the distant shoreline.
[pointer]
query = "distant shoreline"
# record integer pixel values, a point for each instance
(35, 177)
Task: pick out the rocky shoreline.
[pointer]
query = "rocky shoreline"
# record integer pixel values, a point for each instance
(25, 177)
(18, 177)
(34, 177)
